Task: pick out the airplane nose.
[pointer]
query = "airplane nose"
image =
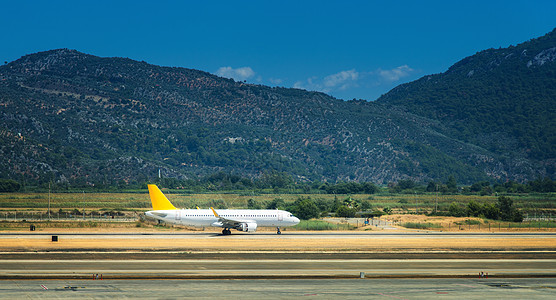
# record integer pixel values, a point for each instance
(295, 220)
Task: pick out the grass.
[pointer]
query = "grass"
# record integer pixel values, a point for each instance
(7, 225)
(531, 224)
(137, 201)
(321, 225)
(418, 225)
(469, 222)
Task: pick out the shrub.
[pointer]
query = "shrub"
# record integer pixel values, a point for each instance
(304, 208)
(455, 210)
(346, 212)
(8, 185)
(415, 225)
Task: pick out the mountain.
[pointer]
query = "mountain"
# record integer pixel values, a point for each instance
(80, 119)
(502, 100)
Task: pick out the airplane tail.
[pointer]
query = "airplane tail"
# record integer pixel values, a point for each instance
(158, 200)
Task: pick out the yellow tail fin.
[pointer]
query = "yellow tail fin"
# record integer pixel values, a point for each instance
(158, 200)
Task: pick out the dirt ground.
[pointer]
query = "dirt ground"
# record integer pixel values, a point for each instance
(285, 242)
(367, 238)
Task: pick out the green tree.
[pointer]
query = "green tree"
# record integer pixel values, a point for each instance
(406, 184)
(451, 184)
(305, 208)
(474, 209)
(345, 212)
(491, 211)
(276, 203)
(9, 185)
(432, 187)
(505, 205)
(350, 202)
(486, 190)
(335, 205)
(369, 188)
(365, 205)
(456, 210)
(252, 204)
(517, 216)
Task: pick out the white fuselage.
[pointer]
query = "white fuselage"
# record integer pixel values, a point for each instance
(206, 218)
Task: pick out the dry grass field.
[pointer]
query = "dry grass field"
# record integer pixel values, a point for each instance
(140, 201)
(67, 210)
(271, 242)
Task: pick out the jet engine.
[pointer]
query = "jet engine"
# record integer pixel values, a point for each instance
(248, 227)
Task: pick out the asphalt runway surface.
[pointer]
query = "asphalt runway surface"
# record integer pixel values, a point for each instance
(247, 266)
(282, 289)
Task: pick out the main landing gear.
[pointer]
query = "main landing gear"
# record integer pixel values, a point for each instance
(278, 230)
(226, 231)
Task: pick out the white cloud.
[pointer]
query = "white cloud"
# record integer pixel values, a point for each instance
(341, 80)
(395, 74)
(356, 82)
(335, 82)
(275, 81)
(237, 74)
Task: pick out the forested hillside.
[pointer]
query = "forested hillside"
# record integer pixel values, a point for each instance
(503, 100)
(80, 120)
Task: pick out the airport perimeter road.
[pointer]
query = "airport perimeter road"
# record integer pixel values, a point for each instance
(277, 268)
(522, 288)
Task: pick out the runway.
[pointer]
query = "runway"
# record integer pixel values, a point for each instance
(298, 254)
(413, 265)
(282, 289)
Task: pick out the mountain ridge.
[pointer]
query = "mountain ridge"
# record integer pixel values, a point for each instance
(81, 119)
(506, 94)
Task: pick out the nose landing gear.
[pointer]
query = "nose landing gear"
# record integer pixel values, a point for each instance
(278, 230)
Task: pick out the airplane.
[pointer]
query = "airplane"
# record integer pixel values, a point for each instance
(246, 220)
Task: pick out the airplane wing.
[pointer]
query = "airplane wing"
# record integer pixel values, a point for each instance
(230, 223)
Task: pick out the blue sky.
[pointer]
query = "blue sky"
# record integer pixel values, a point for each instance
(349, 49)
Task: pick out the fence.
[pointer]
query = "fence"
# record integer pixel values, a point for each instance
(66, 216)
(532, 225)
(539, 217)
